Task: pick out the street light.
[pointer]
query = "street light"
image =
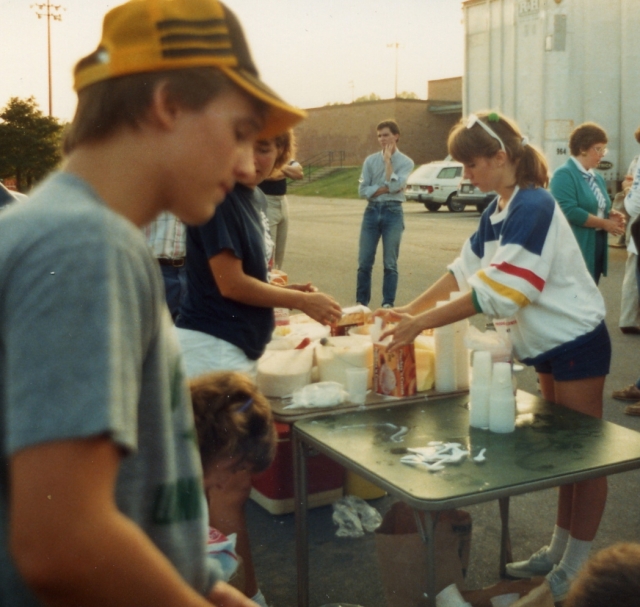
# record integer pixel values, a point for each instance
(395, 45)
(51, 11)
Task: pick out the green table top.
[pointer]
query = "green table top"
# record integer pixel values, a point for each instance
(551, 446)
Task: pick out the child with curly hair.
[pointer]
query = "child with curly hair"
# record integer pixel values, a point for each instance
(236, 438)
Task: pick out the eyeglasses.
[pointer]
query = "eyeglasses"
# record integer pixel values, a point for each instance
(473, 120)
(601, 151)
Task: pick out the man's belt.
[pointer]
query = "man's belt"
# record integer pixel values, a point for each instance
(176, 263)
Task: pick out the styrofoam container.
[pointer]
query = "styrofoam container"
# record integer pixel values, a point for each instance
(342, 353)
(282, 372)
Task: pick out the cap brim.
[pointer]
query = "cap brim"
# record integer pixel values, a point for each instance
(280, 115)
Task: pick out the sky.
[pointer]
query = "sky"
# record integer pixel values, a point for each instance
(312, 52)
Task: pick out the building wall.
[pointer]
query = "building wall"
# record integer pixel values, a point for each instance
(445, 89)
(352, 128)
(537, 62)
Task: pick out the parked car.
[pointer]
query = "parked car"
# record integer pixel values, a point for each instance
(468, 194)
(8, 196)
(435, 184)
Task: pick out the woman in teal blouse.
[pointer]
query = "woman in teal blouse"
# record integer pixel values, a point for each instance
(583, 197)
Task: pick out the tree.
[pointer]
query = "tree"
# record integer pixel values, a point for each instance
(29, 142)
(369, 97)
(407, 95)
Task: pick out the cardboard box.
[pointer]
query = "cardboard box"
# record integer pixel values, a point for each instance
(355, 316)
(394, 373)
(273, 488)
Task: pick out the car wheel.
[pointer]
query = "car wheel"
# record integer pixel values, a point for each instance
(432, 206)
(455, 206)
(481, 206)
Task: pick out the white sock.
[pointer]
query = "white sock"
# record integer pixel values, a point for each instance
(559, 540)
(575, 555)
(259, 599)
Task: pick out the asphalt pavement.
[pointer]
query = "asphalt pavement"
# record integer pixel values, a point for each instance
(322, 248)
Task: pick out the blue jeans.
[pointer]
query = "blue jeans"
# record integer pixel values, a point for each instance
(386, 220)
(175, 287)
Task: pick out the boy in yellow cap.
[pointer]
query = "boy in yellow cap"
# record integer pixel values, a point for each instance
(101, 499)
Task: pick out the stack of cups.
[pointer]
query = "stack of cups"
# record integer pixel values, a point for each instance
(502, 411)
(480, 393)
(461, 352)
(357, 380)
(445, 367)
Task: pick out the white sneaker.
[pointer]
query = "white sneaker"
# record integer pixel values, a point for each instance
(559, 583)
(537, 564)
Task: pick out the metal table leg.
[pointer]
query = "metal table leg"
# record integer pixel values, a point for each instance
(302, 529)
(426, 525)
(505, 540)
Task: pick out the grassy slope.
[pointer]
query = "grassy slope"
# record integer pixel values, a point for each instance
(341, 184)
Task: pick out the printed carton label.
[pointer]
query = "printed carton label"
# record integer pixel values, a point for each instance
(394, 373)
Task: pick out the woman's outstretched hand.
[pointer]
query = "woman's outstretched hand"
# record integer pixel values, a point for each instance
(404, 332)
(321, 307)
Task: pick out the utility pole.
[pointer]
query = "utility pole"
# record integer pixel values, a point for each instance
(395, 45)
(351, 86)
(49, 11)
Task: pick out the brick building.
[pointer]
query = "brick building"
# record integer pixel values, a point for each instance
(351, 128)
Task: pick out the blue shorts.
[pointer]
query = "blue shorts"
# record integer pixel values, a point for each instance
(587, 356)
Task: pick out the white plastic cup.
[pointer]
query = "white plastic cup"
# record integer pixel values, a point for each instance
(480, 392)
(357, 380)
(450, 597)
(502, 409)
(505, 600)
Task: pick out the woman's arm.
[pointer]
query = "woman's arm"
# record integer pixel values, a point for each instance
(632, 199)
(409, 327)
(234, 284)
(614, 224)
(438, 291)
(293, 171)
(422, 314)
(564, 190)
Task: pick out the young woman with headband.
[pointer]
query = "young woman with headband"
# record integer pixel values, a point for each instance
(523, 263)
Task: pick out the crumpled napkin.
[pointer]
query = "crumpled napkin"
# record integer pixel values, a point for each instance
(320, 394)
(435, 455)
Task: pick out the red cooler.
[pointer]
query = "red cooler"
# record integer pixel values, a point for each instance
(273, 488)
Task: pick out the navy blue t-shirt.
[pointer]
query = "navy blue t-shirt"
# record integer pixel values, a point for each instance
(238, 226)
(277, 187)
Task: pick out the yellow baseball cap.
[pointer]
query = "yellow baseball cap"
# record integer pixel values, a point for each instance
(156, 35)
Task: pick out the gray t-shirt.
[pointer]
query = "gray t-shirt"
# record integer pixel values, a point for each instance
(87, 347)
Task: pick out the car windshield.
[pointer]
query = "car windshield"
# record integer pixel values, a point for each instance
(425, 171)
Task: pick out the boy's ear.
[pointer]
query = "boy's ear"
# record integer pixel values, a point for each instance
(164, 109)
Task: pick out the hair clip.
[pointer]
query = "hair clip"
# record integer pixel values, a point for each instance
(245, 406)
(473, 120)
(525, 141)
(493, 117)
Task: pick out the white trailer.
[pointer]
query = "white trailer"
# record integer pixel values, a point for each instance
(553, 64)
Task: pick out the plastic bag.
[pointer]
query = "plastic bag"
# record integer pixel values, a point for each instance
(354, 516)
(322, 394)
(495, 342)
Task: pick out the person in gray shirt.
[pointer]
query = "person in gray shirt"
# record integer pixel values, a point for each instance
(101, 494)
